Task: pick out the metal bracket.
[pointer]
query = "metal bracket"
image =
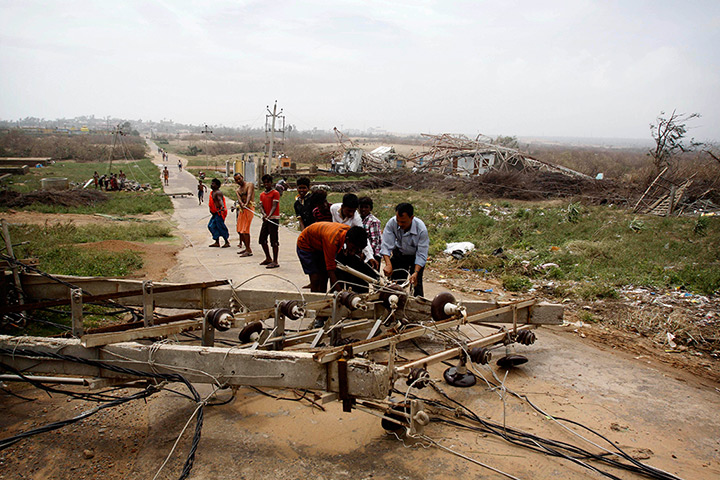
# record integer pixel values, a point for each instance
(208, 333)
(148, 303)
(347, 400)
(279, 330)
(419, 418)
(76, 310)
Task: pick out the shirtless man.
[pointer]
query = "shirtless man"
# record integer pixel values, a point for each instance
(201, 191)
(246, 209)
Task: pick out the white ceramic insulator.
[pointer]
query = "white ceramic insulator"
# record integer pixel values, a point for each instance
(451, 309)
(422, 418)
(254, 336)
(355, 302)
(225, 320)
(393, 300)
(298, 311)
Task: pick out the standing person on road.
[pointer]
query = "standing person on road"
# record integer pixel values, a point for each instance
(218, 212)
(270, 202)
(201, 191)
(180, 165)
(246, 209)
(304, 203)
(406, 239)
(166, 175)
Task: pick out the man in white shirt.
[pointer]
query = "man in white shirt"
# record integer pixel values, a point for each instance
(347, 214)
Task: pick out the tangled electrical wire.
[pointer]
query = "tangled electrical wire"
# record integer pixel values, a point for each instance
(109, 401)
(19, 320)
(612, 456)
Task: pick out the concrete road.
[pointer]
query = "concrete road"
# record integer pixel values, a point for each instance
(198, 262)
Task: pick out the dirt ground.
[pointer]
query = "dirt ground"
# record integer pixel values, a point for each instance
(157, 258)
(660, 411)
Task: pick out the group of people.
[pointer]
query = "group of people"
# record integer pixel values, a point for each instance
(163, 153)
(350, 231)
(345, 232)
(109, 182)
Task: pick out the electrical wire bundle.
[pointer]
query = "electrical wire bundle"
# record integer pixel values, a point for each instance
(108, 400)
(613, 456)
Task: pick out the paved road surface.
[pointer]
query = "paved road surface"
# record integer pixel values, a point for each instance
(198, 262)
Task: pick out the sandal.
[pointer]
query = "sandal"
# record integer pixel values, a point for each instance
(245, 254)
(266, 262)
(273, 265)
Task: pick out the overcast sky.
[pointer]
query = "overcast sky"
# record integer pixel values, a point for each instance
(569, 68)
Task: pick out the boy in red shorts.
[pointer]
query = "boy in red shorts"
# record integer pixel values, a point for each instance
(270, 202)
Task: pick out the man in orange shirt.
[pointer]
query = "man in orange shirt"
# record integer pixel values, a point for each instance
(320, 243)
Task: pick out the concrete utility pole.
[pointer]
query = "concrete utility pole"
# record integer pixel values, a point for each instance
(271, 119)
(205, 132)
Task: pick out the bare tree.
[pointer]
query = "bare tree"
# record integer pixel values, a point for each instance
(669, 135)
(712, 150)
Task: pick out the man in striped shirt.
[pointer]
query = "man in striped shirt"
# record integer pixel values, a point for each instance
(372, 225)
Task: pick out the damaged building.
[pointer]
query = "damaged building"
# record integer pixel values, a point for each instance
(458, 155)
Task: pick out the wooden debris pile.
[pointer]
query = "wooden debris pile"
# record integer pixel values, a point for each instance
(663, 196)
(351, 158)
(458, 155)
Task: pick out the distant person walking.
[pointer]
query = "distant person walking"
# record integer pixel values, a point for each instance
(201, 191)
(166, 176)
(218, 212)
(180, 165)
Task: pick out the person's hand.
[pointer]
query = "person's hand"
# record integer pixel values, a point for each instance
(388, 270)
(413, 278)
(374, 264)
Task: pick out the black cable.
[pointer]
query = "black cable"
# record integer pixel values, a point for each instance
(547, 446)
(6, 442)
(173, 377)
(296, 399)
(223, 402)
(16, 262)
(91, 397)
(425, 352)
(10, 392)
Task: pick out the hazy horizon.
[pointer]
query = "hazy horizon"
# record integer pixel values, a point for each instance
(570, 69)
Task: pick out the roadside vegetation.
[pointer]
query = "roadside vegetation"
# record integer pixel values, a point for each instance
(113, 203)
(58, 247)
(86, 148)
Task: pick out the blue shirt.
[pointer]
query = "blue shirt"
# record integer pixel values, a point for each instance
(415, 241)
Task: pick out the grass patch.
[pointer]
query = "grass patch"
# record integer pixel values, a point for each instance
(601, 245)
(516, 283)
(90, 263)
(117, 203)
(54, 247)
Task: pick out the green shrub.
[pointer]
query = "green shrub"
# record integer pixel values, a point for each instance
(516, 283)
